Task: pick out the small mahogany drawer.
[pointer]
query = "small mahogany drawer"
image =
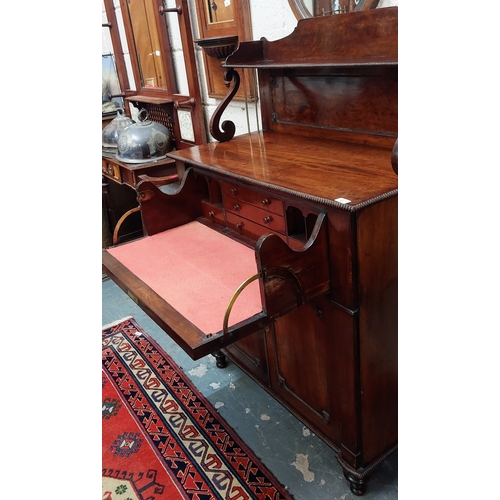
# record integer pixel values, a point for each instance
(111, 170)
(248, 228)
(253, 197)
(213, 213)
(258, 215)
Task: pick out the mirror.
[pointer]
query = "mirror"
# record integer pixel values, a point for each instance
(219, 11)
(148, 48)
(314, 8)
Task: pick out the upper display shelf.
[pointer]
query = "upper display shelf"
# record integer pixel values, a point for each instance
(368, 38)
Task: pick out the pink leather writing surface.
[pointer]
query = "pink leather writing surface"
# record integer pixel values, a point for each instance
(196, 270)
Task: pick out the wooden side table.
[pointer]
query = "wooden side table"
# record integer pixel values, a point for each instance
(119, 182)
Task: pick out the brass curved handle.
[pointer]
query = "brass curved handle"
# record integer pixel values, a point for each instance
(233, 300)
(120, 222)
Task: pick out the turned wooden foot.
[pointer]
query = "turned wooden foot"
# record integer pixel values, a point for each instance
(220, 359)
(358, 485)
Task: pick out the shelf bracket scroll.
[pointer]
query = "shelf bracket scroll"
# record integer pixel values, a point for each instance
(228, 127)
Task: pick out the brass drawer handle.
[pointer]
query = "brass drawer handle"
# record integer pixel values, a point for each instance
(265, 201)
(211, 214)
(233, 190)
(239, 225)
(267, 219)
(236, 207)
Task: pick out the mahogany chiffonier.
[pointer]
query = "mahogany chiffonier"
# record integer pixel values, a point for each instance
(278, 248)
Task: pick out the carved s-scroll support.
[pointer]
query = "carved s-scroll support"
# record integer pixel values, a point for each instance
(161, 211)
(293, 277)
(228, 127)
(394, 157)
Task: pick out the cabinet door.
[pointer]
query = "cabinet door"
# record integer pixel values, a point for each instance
(311, 365)
(250, 354)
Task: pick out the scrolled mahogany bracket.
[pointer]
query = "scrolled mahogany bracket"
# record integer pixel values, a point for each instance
(228, 127)
(394, 157)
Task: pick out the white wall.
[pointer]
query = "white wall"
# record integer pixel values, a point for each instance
(273, 24)
(272, 20)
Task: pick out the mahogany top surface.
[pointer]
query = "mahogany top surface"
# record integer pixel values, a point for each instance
(317, 169)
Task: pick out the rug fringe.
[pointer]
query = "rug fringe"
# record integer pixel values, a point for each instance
(117, 322)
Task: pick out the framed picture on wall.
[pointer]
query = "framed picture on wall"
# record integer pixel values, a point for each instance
(111, 99)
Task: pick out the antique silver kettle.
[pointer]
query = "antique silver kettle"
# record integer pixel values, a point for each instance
(111, 132)
(144, 141)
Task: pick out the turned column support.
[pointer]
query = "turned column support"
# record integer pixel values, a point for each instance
(359, 477)
(220, 359)
(356, 483)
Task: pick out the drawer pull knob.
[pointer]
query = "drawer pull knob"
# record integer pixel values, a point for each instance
(236, 207)
(267, 219)
(265, 201)
(239, 225)
(233, 190)
(211, 213)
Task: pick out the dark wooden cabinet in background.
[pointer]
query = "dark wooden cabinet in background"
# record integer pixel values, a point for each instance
(308, 204)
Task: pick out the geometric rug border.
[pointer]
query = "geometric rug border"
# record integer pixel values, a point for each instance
(280, 493)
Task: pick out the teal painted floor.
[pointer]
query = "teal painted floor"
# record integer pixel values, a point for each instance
(298, 458)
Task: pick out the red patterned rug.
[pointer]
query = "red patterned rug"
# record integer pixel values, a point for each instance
(161, 439)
